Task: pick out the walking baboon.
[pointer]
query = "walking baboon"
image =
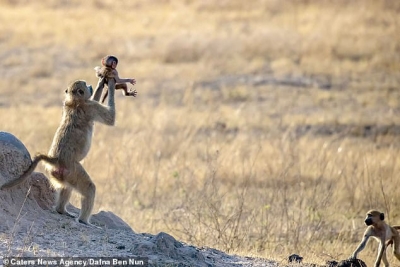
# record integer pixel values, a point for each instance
(382, 232)
(71, 143)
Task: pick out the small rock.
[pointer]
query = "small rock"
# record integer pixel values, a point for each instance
(352, 263)
(295, 258)
(110, 220)
(14, 158)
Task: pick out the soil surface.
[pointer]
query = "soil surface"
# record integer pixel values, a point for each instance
(29, 227)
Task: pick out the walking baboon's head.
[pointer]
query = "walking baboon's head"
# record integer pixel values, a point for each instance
(373, 217)
(78, 91)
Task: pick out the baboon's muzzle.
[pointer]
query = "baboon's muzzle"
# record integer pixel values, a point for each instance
(90, 89)
(368, 221)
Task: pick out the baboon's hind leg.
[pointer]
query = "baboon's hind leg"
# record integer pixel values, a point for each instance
(62, 200)
(87, 189)
(396, 247)
(384, 258)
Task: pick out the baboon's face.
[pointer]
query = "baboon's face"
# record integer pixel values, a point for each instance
(79, 90)
(373, 217)
(111, 62)
(114, 64)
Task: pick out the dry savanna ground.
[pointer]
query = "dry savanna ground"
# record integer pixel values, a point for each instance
(261, 127)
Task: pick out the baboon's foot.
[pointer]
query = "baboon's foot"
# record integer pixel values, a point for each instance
(65, 212)
(131, 93)
(87, 224)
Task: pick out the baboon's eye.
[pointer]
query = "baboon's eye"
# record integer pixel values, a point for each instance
(81, 92)
(66, 90)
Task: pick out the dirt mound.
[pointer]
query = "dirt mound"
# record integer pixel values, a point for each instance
(31, 228)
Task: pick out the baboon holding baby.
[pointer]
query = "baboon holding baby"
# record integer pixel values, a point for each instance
(71, 144)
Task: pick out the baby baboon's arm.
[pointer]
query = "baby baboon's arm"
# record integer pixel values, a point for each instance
(122, 80)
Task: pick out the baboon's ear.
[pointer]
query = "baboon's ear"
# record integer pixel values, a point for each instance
(382, 216)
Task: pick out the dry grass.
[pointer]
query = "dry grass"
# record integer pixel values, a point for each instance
(213, 150)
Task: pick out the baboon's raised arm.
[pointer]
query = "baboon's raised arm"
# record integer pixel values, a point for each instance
(105, 114)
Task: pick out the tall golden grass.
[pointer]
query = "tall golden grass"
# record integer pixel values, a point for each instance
(261, 128)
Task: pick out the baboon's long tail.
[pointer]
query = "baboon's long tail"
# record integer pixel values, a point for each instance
(29, 171)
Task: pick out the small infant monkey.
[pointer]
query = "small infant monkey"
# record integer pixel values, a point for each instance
(108, 71)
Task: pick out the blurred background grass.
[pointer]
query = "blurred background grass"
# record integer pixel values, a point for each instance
(261, 128)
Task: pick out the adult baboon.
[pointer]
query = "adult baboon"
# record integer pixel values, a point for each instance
(382, 232)
(71, 144)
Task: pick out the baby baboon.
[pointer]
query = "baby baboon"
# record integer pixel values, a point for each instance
(382, 232)
(109, 71)
(70, 145)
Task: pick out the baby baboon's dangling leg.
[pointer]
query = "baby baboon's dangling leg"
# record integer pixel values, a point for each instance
(99, 89)
(125, 89)
(104, 96)
(118, 86)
